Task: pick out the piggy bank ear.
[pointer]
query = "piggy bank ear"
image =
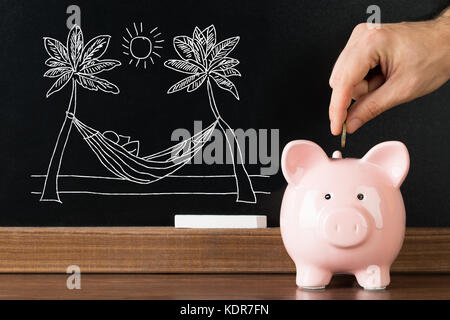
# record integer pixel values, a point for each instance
(299, 156)
(392, 157)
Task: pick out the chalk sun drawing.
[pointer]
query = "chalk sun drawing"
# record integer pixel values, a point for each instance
(202, 59)
(141, 47)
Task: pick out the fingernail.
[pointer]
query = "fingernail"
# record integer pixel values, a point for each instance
(354, 125)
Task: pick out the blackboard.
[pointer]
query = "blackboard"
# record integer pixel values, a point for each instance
(284, 54)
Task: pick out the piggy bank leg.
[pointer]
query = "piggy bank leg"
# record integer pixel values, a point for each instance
(373, 277)
(311, 277)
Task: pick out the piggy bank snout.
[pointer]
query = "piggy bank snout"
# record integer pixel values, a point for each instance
(344, 227)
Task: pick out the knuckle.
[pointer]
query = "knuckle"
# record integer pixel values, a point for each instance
(332, 81)
(359, 28)
(375, 37)
(373, 109)
(335, 78)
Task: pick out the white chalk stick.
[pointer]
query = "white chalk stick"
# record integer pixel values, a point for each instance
(219, 221)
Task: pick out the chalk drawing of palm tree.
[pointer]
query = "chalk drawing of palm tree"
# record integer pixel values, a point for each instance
(78, 64)
(204, 60)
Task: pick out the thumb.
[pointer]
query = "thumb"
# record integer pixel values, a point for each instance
(371, 105)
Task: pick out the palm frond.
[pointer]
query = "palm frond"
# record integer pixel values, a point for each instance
(56, 72)
(230, 72)
(203, 59)
(60, 83)
(96, 66)
(224, 63)
(56, 49)
(197, 83)
(200, 44)
(223, 48)
(180, 85)
(198, 36)
(52, 62)
(94, 83)
(95, 48)
(184, 46)
(183, 66)
(225, 84)
(79, 62)
(75, 45)
(210, 36)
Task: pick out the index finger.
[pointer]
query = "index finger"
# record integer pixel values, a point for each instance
(351, 68)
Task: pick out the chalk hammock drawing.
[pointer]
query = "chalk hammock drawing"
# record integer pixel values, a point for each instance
(202, 59)
(141, 47)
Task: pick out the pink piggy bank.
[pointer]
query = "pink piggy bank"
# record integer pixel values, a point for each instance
(343, 215)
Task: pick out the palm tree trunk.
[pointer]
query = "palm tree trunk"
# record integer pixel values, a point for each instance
(244, 185)
(50, 191)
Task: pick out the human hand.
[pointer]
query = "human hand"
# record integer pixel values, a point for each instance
(406, 60)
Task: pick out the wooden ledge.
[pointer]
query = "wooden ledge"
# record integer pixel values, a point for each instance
(170, 250)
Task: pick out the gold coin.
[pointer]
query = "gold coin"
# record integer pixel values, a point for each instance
(343, 135)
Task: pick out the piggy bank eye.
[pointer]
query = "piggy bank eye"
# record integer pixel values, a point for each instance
(360, 196)
(328, 196)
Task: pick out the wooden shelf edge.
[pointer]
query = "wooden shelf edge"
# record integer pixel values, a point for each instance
(170, 250)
